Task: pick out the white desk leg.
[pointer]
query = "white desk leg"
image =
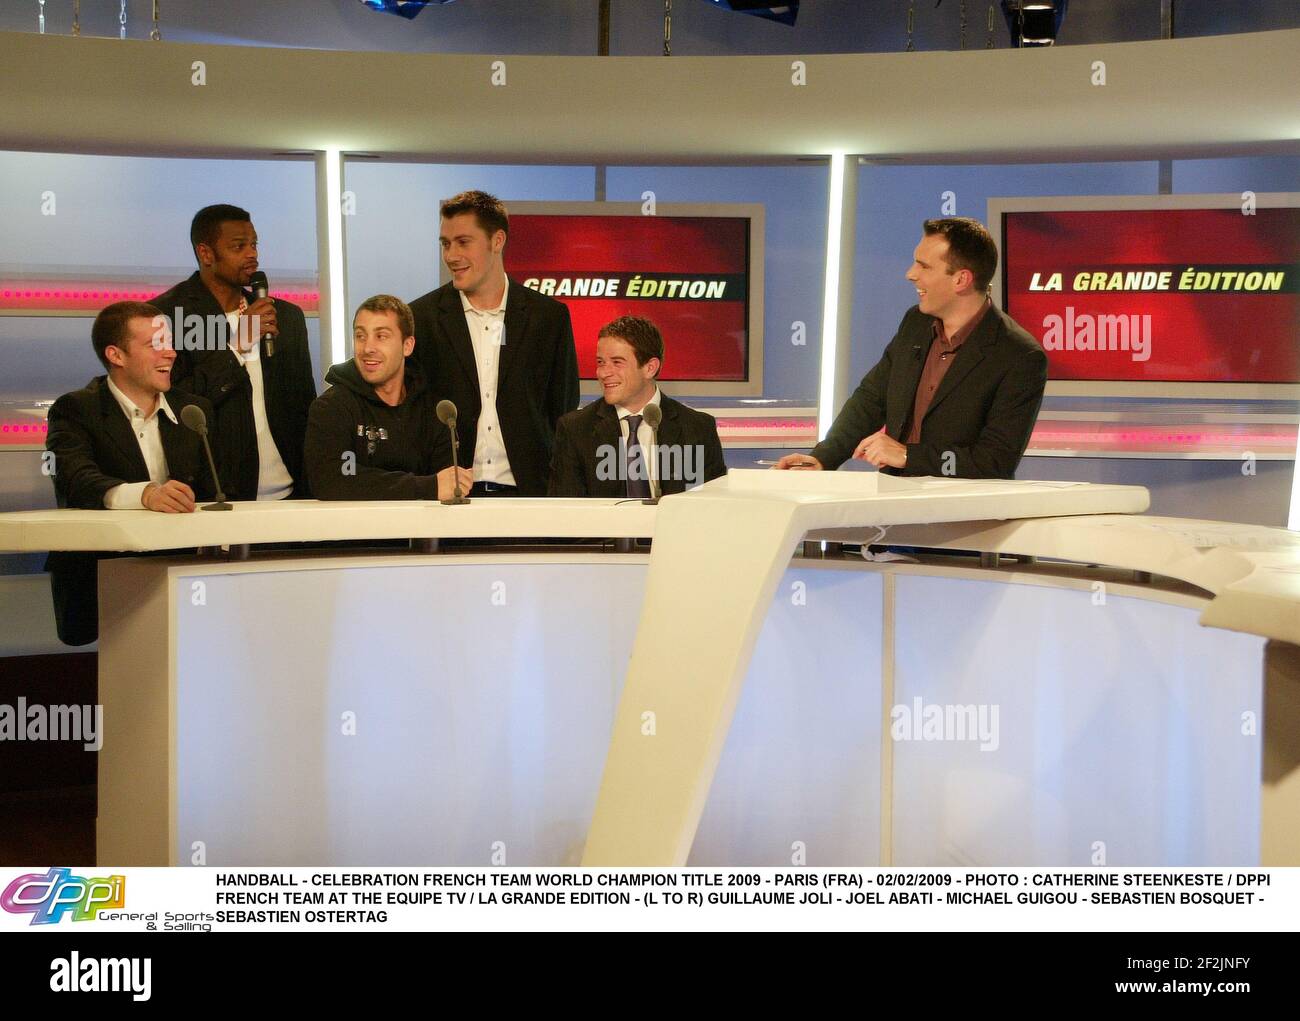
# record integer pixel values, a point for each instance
(137, 770)
(713, 574)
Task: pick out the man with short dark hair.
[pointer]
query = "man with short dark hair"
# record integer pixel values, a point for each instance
(500, 351)
(958, 389)
(119, 444)
(374, 434)
(608, 450)
(260, 388)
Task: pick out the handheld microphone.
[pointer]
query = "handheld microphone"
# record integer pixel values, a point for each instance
(652, 415)
(447, 416)
(262, 289)
(194, 419)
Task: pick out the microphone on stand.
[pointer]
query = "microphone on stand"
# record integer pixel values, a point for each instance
(194, 419)
(652, 415)
(447, 416)
(262, 289)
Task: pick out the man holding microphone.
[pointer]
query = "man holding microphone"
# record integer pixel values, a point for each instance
(250, 359)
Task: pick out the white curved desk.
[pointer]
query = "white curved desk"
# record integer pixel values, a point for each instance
(484, 686)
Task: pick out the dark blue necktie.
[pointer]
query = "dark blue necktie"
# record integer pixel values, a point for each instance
(638, 481)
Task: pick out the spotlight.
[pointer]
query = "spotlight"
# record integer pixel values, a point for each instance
(407, 9)
(1034, 22)
(784, 13)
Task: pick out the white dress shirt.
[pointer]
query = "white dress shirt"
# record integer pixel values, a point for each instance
(644, 436)
(273, 479)
(487, 332)
(127, 495)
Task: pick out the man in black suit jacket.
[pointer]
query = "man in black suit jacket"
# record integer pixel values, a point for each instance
(260, 389)
(500, 351)
(119, 444)
(602, 449)
(958, 389)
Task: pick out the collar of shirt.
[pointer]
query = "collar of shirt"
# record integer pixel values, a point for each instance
(129, 408)
(624, 413)
(500, 310)
(962, 335)
(232, 317)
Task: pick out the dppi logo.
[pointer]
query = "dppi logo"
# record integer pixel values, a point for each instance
(47, 898)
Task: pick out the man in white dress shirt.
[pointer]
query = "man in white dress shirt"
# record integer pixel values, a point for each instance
(501, 352)
(118, 444)
(608, 449)
(247, 356)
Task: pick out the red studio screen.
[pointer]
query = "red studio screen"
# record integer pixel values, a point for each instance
(1167, 295)
(689, 274)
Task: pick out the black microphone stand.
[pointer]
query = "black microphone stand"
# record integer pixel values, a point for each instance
(458, 497)
(221, 504)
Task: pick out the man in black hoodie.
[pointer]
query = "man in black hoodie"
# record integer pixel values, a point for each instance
(374, 434)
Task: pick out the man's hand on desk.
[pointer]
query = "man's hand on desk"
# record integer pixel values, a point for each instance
(171, 497)
(798, 462)
(447, 482)
(880, 450)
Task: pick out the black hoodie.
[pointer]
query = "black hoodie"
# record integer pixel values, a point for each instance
(359, 448)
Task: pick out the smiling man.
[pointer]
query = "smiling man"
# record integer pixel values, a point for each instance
(374, 434)
(606, 448)
(260, 388)
(958, 389)
(500, 351)
(118, 444)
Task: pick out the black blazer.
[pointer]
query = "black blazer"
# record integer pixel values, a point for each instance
(94, 450)
(580, 436)
(217, 376)
(982, 414)
(537, 375)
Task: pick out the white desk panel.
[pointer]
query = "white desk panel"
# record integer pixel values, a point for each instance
(799, 777)
(457, 710)
(1126, 734)
(455, 713)
(482, 693)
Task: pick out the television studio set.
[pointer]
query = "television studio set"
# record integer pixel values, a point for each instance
(357, 572)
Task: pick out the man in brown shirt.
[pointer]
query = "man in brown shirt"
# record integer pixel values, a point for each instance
(942, 350)
(958, 389)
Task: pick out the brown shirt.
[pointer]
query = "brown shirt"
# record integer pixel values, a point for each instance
(943, 351)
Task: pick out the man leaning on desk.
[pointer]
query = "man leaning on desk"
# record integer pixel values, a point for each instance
(958, 389)
(118, 444)
(374, 434)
